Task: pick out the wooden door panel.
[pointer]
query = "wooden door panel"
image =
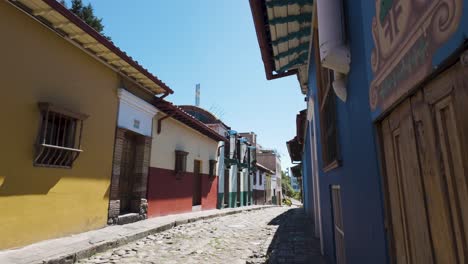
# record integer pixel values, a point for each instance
(197, 185)
(396, 217)
(446, 98)
(226, 186)
(408, 187)
(127, 173)
(440, 223)
(460, 106)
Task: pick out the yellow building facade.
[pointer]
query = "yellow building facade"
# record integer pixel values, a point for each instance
(37, 65)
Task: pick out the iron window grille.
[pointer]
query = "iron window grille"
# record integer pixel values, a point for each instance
(59, 138)
(180, 162)
(212, 173)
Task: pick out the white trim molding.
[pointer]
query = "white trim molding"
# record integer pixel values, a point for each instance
(135, 114)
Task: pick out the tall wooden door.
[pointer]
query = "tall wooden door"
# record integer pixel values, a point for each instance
(338, 229)
(197, 184)
(226, 187)
(238, 188)
(425, 141)
(127, 175)
(249, 189)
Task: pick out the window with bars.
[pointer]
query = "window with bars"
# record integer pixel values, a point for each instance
(212, 168)
(338, 224)
(180, 162)
(327, 112)
(59, 138)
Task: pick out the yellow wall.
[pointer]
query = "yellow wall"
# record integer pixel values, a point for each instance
(177, 136)
(37, 65)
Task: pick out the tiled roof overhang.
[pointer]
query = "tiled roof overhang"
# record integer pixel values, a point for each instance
(301, 119)
(212, 118)
(297, 171)
(264, 169)
(66, 24)
(283, 30)
(295, 149)
(183, 117)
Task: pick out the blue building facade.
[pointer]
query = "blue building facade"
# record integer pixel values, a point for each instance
(374, 198)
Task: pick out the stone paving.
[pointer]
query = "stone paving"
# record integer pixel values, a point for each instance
(247, 237)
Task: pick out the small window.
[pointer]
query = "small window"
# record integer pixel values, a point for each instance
(327, 112)
(180, 161)
(59, 138)
(255, 178)
(212, 168)
(260, 179)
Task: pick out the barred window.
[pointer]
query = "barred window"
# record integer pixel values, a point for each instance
(59, 138)
(212, 168)
(180, 161)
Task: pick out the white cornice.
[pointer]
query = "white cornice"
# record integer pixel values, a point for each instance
(136, 102)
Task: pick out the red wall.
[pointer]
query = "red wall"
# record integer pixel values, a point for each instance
(170, 195)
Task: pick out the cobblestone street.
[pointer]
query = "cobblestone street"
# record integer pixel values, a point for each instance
(265, 236)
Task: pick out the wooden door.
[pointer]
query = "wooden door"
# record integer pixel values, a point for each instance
(425, 147)
(226, 187)
(249, 189)
(197, 184)
(338, 229)
(238, 188)
(127, 176)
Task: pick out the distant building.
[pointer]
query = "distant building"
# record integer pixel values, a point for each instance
(207, 118)
(262, 191)
(295, 184)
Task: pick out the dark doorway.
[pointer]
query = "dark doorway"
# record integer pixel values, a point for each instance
(249, 188)
(127, 169)
(196, 183)
(226, 188)
(238, 188)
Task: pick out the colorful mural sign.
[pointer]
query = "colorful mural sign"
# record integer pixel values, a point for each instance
(406, 35)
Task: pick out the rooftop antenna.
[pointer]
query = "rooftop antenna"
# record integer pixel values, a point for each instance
(197, 95)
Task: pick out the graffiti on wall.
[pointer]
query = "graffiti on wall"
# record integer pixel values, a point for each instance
(406, 34)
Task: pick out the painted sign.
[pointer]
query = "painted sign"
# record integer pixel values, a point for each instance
(406, 35)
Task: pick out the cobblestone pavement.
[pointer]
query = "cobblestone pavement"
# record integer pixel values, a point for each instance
(248, 237)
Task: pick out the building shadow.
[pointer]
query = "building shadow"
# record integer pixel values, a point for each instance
(294, 241)
(25, 184)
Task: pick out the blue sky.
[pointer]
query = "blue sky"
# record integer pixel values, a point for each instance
(211, 42)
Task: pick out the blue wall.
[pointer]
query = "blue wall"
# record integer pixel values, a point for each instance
(358, 174)
(308, 195)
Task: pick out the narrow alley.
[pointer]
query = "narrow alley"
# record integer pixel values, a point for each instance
(274, 235)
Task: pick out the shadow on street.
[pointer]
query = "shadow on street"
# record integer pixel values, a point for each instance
(294, 240)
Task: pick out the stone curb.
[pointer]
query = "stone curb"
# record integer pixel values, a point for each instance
(106, 245)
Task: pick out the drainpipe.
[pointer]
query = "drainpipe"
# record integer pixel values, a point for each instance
(160, 121)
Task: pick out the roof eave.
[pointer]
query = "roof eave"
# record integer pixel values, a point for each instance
(157, 87)
(258, 12)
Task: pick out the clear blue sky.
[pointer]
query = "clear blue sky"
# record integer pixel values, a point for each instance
(211, 42)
